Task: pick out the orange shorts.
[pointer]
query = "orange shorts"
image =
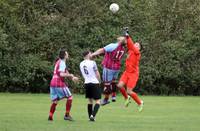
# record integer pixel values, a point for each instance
(129, 79)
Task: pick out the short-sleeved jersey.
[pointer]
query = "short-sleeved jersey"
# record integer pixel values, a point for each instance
(113, 55)
(57, 80)
(133, 58)
(88, 70)
(110, 47)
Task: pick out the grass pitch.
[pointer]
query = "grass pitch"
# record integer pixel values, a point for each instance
(29, 112)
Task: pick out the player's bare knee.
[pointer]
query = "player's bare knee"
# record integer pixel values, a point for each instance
(70, 98)
(120, 85)
(55, 102)
(129, 91)
(98, 101)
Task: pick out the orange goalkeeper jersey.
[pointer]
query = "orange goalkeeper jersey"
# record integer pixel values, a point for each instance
(133, 58)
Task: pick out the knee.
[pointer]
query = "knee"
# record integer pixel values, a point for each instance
(107, 88)
(70, 98)
(55, 102)
(98, 101)
(129, 91)
(120, 85)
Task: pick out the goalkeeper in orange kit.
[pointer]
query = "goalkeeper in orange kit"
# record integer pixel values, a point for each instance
(130, 76)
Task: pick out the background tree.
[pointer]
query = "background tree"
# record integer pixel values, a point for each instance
(32, 32)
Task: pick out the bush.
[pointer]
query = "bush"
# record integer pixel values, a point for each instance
(32, 32)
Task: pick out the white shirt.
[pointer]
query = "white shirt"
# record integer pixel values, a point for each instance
(88, 70)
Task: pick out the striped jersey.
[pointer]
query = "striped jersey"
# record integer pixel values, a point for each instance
(113, 55)
(57, 80)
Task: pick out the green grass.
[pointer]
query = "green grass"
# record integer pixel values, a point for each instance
(29, 112)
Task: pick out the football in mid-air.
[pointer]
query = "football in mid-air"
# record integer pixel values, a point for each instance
(114, 7)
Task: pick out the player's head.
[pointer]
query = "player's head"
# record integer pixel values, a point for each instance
(86, 54)
(138, 45)
(63, 54)
(121, 40)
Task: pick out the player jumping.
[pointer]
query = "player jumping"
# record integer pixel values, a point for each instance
(130, 76)
(111, 67)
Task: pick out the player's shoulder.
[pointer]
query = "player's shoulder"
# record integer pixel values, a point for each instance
(62, 65)
(62, 62)
(91, 62)
(82, 62)
(110, 47)
(94, 62)
(113, 44)
(87, 62)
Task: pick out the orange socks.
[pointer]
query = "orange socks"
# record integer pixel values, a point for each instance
(123, 91)
(136, 98)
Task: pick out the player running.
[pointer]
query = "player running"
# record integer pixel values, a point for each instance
(92, 78)
(58, 88)
(130, 76)
(111, 67)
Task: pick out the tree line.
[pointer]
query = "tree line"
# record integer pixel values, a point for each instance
(32, 32)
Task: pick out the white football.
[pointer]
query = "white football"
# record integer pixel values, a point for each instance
(114, 7)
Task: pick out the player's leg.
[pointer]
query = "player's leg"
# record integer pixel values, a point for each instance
(130, 86)
(65, 93)
(68, 109)
(88, 94)
(106, 92)
(114, 85)
(52, 110)
(90, 107)
(122, 89)
(107, 86)
(121, 85)
(95, 110)
(97, 97)
(54, 99)
(114, 90)
(135, 97)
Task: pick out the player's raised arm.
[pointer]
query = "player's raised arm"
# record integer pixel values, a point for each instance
(129, 42)
(135, 47)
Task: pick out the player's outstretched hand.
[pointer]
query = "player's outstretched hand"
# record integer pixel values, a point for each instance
(125, 31)
(91, 56)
